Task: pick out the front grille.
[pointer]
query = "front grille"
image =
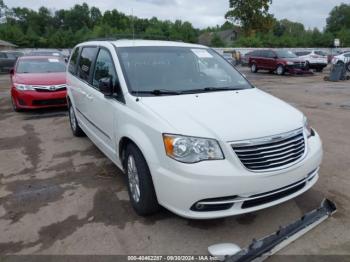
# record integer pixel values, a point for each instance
(49, 102)
(50, 88)
(271, 153)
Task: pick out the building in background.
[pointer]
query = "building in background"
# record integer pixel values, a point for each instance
(4, 45)
(228, 37)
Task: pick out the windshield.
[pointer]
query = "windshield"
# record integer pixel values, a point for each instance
(178, 69)
(285, 54)
(47, 65)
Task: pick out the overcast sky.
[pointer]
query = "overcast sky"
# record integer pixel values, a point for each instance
(201, 13)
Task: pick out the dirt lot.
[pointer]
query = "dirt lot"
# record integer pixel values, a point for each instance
(60, 195)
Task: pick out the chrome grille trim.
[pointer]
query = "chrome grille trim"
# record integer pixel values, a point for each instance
(50, 88)
(271, 153)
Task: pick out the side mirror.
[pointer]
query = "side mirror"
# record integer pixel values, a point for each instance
(105, 85)
(12, 72)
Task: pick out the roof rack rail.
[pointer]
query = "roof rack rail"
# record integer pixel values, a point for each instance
(134, 37)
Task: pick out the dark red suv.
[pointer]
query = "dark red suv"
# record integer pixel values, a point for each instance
(279, 61)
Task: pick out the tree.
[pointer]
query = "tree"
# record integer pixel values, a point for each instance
(339, 18)
(252, 15)
(216, 41)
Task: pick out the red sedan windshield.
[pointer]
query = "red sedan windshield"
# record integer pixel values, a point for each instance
(42, 65)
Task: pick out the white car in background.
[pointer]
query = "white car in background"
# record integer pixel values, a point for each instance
(315, 59)
(342, 59)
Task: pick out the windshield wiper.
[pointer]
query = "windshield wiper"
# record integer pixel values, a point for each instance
(211, 89)
(157, 92)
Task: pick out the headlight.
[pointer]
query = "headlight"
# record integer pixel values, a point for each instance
(307, 128)
(22, 87)
(191, 149)
(290, 63)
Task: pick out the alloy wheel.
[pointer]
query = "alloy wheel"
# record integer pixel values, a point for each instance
(133, 178)
(72, 118)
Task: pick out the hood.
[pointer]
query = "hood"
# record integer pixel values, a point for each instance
(226, 116)
(40, 78)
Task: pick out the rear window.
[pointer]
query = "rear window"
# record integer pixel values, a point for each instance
(47, 65)
(321, 53)
(72, 67)
(302, 53)
(86, 58)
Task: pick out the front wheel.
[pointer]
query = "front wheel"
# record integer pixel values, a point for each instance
(280, 70)
(140, 185)
(254, 68)
(76, 130)
(14, 105)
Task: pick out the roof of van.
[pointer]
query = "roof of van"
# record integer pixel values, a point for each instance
(130, 43)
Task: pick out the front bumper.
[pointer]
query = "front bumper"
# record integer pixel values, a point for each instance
(35, 99)
(180, 186)
(296, 70)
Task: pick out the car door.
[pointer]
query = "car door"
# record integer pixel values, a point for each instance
(3, 61)
(270, 60)
(73, 82)
(84, 74)
(101, 110)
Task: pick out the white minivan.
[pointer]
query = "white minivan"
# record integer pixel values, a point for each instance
(189, 131)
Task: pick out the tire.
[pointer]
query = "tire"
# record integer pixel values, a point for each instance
(307, 65)
(139, 180)
(14, 105)
(319, 69)
(76, 130)
(254, 68)
(280, 70)
(348, 66)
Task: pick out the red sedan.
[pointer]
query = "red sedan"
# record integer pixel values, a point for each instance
(38, 82)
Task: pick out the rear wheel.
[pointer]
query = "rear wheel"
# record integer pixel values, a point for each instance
(254, 68)
(319, 69)
(280, 70)
(140, 184)
(348, 66)
(76, 130)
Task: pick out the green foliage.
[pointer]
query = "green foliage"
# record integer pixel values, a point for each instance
(339, 18)
(216, 41)
(66, 28)
(338, 23)
(252, 15)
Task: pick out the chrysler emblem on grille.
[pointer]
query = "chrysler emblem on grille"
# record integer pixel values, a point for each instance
(52, 88)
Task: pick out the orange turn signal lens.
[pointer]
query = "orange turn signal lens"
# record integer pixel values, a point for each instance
(169, 144)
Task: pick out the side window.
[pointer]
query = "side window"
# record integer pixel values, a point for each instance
(271, 54)
(320, 53)
(104, 68)
(86, 58)
(72, 67)
(347, 55)
(264, 53)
